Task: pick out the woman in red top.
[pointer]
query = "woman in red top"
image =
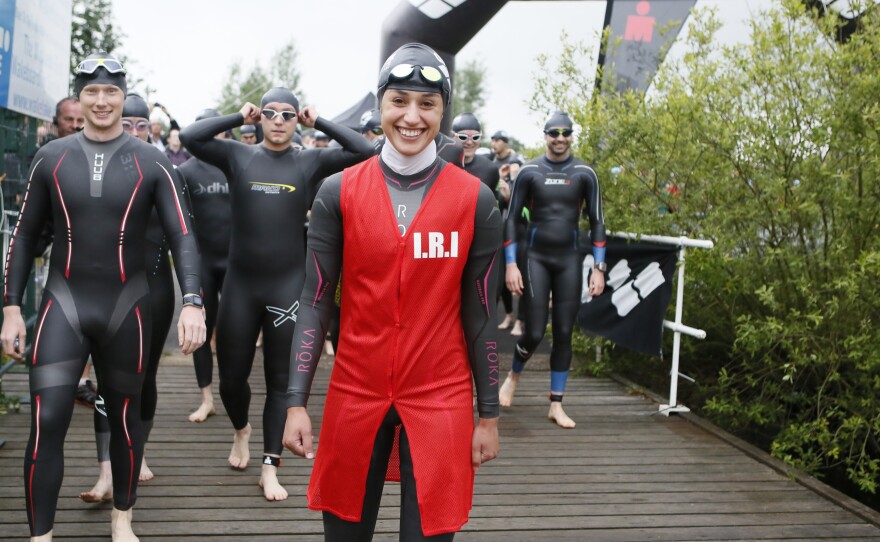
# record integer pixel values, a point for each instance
(415, 240)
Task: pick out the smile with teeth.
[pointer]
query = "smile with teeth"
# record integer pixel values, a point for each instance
(409, 133)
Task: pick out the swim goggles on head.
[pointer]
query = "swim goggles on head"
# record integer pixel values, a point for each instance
(91, 64)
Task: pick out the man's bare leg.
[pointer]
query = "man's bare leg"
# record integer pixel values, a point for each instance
(120, 526)
(240, 454)
(103, 490)
(206, 409)
(42, 538)
(559, 416)
(505, 394)
(272, 489)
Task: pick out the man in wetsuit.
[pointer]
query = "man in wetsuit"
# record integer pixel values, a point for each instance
(135, 121)
(415, 241)
(371, 125)
(99, 187)
(209, 193)
(271, 187)
(556, 187)
(468, 130)
(248, 134)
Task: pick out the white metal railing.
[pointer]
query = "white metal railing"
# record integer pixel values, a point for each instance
(677, 327)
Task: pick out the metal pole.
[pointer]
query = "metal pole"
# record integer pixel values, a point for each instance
(673, 405)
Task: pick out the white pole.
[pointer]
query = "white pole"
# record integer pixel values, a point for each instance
(666, 240)
(673, 405)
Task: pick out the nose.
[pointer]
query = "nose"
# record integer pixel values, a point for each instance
(412, 113)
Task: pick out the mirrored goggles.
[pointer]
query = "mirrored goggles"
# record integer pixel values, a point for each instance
(377, 131)
(428, 73)
(285, 115)
(558, 132)
(110, 64)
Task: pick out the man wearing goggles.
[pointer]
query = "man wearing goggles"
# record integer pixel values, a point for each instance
(557, 186)
(99, 186)
(272, 186)
(135, 113)
(416, 313)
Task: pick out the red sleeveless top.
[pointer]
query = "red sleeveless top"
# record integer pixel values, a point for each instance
(402, 344)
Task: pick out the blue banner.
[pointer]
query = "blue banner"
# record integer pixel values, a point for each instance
(7, 25)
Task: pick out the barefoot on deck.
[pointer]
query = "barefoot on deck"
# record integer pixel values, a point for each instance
(559, 416)
(103, 490)
(240, 454)
(505, 394)
(120, 526)
(146, 474)
(42, 538)
(517, 330)
(205, 411)
(508, 321)
(272, 489)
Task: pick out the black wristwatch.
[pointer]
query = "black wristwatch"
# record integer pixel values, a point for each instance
(602, 266)
(194, 300)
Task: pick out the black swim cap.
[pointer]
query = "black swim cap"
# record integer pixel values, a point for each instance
(208, 113)
(466, 121)
(559, 119)
(371, 120)
(280, 95)
(502, 135)
(247, 129)
(100, 68)
(430, 73)
(135, 106)
(321, 136)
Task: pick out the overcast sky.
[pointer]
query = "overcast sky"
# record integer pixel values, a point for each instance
(183, 48)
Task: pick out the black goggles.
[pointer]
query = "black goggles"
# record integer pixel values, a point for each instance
(558, 132)
(141, 126)
(465, 137)
(285, 115)
(110, 64)
(428, 73)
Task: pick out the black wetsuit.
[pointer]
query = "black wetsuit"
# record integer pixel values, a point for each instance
(270, 192)
(555, 193)
(209, 193)
(96, 300)
(478, 320)
(161, 286)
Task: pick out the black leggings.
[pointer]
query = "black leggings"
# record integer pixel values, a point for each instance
(340, 530)
(113, 325)
(161, 285)
(249, 304)
(559, 272)
(213, 274)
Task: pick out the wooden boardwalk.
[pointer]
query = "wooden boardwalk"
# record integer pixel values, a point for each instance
(624, 474)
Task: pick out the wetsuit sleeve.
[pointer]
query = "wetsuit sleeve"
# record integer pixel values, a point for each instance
(35, 212)
(198, 138)
(517, 202)
(323, 266)
(355, 148)
(593, 198)
(175, 215)
(478, 307)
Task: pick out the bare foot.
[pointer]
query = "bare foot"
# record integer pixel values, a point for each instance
(240, 454)
(120, 526)
(272, 489)
(205, 411)
(559, 416)
(103, 490)
(42, 538)
(146, 474)
(508, 321)
(517, 328)
(505, 394)
(259, 340)
(328, 348)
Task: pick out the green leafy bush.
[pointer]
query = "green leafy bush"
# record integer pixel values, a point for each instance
(771, 149)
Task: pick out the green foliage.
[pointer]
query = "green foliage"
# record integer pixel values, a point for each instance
(249, 85)
(772, 150)
(92, 30)
(469, 92)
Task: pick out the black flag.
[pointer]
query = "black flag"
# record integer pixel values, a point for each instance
(638, 287)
